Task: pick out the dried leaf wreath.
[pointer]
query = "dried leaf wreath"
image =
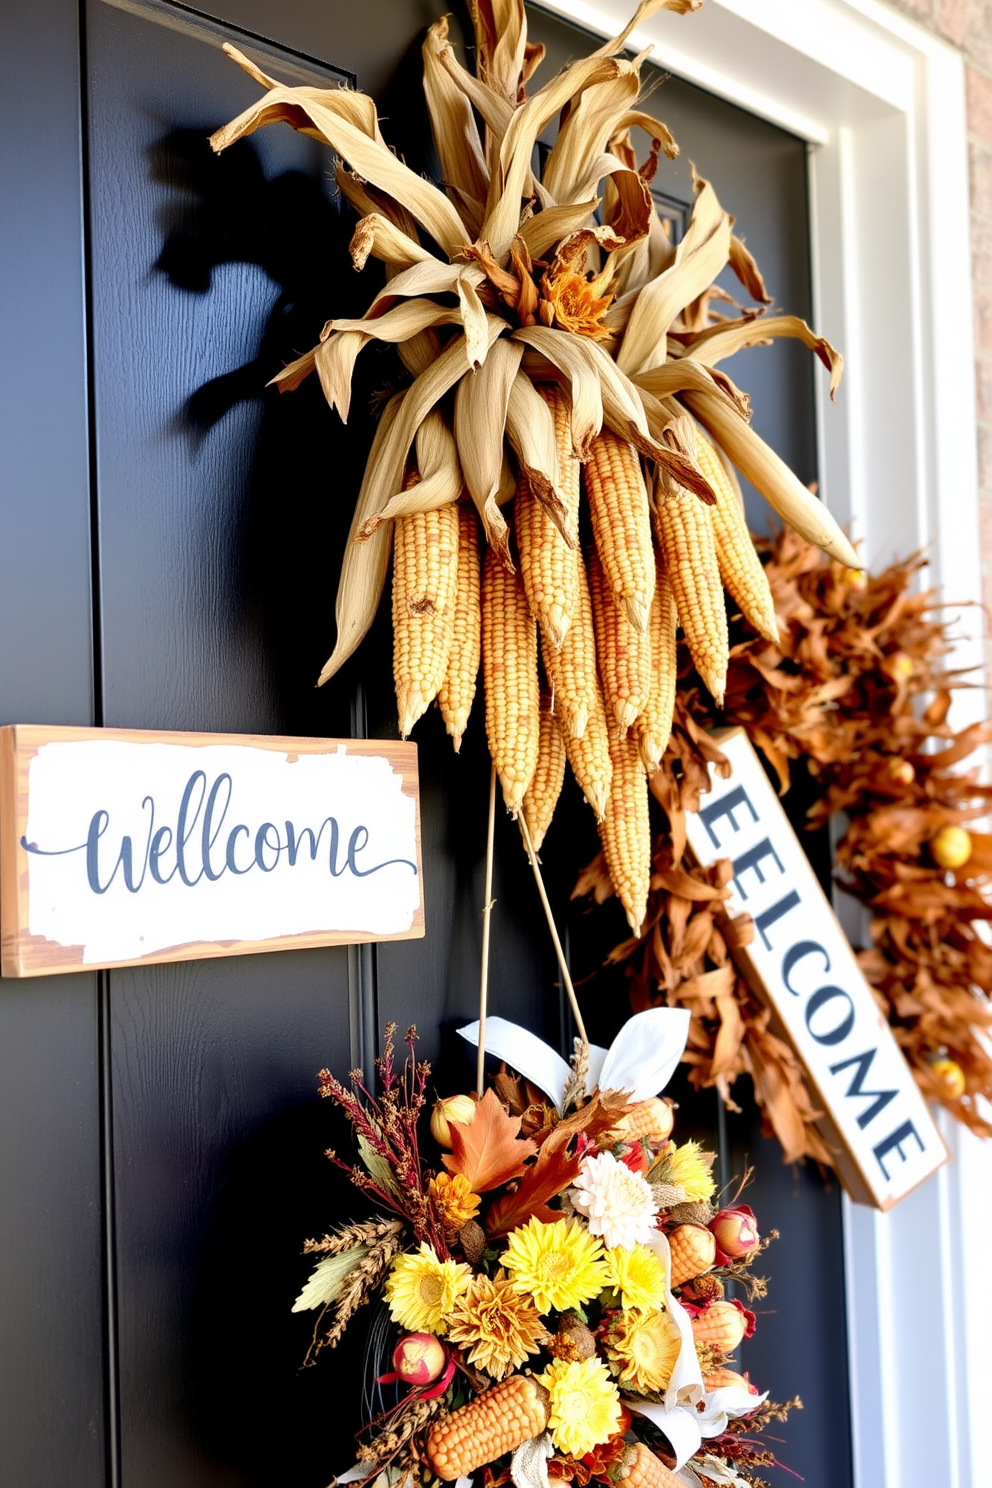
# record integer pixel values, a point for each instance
(858, 687)
(556, 346)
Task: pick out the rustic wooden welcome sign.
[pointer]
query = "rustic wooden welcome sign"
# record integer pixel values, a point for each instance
(119, 847)
(801, 964)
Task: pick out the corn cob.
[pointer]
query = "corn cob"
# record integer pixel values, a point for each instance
(545, 788)
(640, 1468)
(550, 568)
(625, 830)
(509, 670)
(688, 546)
(621, 523)
(693, 1252)
(498, 1421)
(590, 759)
(425, 577)
(572, 668)
(740, 568)
(458, 688)
(625, 660)
(721, 1325)
(652, 1118)
(653, 726)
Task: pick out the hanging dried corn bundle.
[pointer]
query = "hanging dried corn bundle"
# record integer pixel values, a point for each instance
(554, 362)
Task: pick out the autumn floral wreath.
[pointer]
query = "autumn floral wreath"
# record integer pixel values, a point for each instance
(552, 1287)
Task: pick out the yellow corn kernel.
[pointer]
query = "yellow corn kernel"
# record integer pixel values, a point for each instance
(653, 727)
(572, 669)
(642, 1469)
(741, 569)
(425, 579)
(509, 673)
(496, 1422)
(625, 830)
(548, 565)
(688, 546)
(545, 788)
(458, 688)
(624, 653)
(621, 523)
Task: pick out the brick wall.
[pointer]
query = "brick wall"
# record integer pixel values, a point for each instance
(967, 24)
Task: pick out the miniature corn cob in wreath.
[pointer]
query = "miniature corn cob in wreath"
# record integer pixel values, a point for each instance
(556, 368)
(545, 1303)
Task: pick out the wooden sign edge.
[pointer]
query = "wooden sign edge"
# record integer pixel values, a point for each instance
(20, 742)
(851, 1173)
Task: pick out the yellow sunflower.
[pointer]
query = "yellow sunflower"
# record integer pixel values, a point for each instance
(638, 1275)
(642, 1348)
(421, 1290)
(499, 1327)
(585, 1405)
(557, 1265)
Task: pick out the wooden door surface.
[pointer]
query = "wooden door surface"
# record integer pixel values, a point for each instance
(172, 538)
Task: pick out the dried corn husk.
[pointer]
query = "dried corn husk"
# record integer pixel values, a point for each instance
(502, 279)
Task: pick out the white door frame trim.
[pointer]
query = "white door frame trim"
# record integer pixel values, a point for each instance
(881, 103)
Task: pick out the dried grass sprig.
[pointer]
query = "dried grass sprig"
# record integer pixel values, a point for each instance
(358, 1288)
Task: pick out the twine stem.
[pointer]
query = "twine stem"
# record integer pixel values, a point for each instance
(487, 908)
(563, 967)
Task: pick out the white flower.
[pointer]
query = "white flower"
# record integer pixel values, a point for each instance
(617, 1204)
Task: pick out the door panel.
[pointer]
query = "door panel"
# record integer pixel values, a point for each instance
(51, 1250)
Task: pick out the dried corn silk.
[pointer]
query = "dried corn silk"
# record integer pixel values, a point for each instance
(621, 523)
(625, 830)
(461, 677)
(425, 579)
(545, 788)
(624, 654)
(549, 565)
(509, 670)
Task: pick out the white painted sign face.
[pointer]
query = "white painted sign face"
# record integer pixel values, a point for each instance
(800, 962)
(121, 847)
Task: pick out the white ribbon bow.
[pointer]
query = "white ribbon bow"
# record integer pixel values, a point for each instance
(641, 1059)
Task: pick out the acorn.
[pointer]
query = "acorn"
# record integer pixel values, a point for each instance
(573, 1341)
(702, 1289)
(735, 1231)
(473, 1241)
(951, 1076)
(693, 1252)
(457, 1108)
(951, 848)
(419, 1359)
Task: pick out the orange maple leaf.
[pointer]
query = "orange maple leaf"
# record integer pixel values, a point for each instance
(490, 1151)
(557, 1165)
